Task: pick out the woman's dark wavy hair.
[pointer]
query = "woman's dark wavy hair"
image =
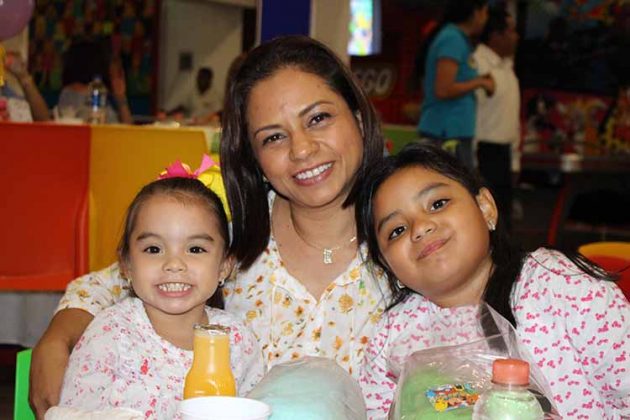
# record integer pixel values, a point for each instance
(507, 258)
(243, 178)
(184, 190)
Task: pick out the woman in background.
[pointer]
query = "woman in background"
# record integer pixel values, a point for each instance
(450, 79)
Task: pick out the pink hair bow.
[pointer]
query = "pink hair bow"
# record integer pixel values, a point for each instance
(178, 169)
(208, 173)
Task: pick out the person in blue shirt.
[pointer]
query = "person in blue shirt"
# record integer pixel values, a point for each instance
(450, 79)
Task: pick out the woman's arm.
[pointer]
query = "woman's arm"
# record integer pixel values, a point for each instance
(446, 87)
(119, 90)
(39, 108)
(50, 358)
(124, 112)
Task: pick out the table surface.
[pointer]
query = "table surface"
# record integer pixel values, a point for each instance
(584, 164)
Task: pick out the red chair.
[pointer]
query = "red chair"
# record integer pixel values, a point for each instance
(614, 257)
(43, 216)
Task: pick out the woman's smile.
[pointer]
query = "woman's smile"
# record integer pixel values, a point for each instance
(314, 175)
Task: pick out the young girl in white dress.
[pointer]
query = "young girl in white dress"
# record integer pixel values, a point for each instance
(435, 230)
(136, 353)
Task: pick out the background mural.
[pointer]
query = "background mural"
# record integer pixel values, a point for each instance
(129, 27)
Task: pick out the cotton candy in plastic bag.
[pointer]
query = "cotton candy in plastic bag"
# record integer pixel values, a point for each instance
(444, 382)
(311, 388)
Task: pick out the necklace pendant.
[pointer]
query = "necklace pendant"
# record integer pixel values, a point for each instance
(328, 256)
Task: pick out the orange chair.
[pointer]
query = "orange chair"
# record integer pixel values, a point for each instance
(614, 257)
(43, 215)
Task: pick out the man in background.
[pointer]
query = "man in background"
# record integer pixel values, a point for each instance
(202, 103)
(498, 133)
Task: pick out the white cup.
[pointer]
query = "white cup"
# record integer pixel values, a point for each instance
(224, 408)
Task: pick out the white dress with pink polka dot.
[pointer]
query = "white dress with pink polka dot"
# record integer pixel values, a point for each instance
(576, 329)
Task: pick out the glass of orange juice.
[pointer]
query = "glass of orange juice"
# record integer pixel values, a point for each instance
(211, 371)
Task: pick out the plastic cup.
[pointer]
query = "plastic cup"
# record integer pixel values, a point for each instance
(224, 408)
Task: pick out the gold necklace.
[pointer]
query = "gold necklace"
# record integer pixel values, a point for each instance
(327, 253)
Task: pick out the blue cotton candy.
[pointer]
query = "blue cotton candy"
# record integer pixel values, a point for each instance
(312, 388)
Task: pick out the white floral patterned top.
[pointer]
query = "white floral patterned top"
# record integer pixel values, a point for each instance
(290, 323)
(287, 320)
(576, 329)
(120, 361)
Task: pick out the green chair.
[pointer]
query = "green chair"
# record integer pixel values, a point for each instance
(21, 409)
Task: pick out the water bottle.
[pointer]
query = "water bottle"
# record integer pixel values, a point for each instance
(97, 101)
(509, 398)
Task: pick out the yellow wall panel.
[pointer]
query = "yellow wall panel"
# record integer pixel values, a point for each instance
(122, 160)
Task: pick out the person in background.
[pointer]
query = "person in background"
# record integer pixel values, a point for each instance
(135, 354)
(498, 130)
(203, 104)
(434, 228)
(298, 135)
(20, 85)
(84, 60)
(450, 79)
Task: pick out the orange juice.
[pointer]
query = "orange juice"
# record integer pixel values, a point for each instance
(211, 372)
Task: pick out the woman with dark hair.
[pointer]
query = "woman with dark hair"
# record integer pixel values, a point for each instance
(298, 135)
(434, 228)
(85, 60)
(450, 79)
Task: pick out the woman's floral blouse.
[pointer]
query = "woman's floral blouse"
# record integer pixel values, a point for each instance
(290, 323)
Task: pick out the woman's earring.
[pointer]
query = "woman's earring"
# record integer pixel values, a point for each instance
(265, 180)
(491, 226)
(400, 285)
(221, 282)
